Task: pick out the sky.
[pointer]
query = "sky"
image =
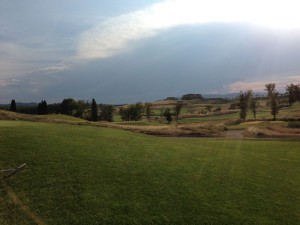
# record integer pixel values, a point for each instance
(131, 50)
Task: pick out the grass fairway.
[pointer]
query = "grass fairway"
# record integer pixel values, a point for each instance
(89, 175)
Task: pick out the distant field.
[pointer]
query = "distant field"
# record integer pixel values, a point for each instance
(90, 175)
(211, 118)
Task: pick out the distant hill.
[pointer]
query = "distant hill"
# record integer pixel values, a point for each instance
(29, 104)
(229, 95)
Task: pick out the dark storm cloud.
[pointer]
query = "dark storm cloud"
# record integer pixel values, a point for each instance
(202, 59)
(128, 51)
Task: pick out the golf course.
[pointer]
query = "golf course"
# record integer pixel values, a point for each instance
(81, 174)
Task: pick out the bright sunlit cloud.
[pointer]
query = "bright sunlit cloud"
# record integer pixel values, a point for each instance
(2, 83)
(113, 36)
(259, 86)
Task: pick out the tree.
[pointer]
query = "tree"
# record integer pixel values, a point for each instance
(81, 108)
(254, 105)
(68, 107)
(13, 106)
(244, 103)
(273, 99)
(177, 109)
(293, 92)
(148, 110)
(132, 112)
(208, 108)
(94, 116)
(106, 112)
(42, 108)
(138, 111)
(168, 115)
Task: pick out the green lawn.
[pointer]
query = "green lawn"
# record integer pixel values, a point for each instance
(89, 175)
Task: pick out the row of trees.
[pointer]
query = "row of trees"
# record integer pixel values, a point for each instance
(247, 100)
(71, 107)
(41, 109)
(136, 111)
(86, 110)
(102, 112)
(293, 92)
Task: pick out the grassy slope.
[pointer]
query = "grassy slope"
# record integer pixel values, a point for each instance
(88, 175)
(60, 117)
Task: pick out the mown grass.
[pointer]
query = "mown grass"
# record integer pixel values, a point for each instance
(90, 175)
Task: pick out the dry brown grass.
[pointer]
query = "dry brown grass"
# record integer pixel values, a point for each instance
(272, 132)
(6, 115)
(203, 129)
(220, 113)
(285, 130)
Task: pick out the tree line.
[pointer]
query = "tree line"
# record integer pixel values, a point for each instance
(77, 108)
(248, 101)
(135, 112)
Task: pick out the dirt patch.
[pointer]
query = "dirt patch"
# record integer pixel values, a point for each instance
(234, 134)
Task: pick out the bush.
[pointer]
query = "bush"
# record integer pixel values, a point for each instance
(218, 109)
(293, 124)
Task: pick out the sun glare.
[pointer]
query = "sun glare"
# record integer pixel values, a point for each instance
(275, 14)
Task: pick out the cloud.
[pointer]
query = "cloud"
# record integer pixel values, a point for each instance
(259, 86)
(3, 83)
(50, 69)
(115, 35)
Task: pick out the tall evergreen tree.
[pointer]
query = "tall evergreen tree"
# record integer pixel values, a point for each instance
(94, 116)
(13, 106)
(42, 108)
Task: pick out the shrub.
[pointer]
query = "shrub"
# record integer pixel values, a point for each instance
(293, 124)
